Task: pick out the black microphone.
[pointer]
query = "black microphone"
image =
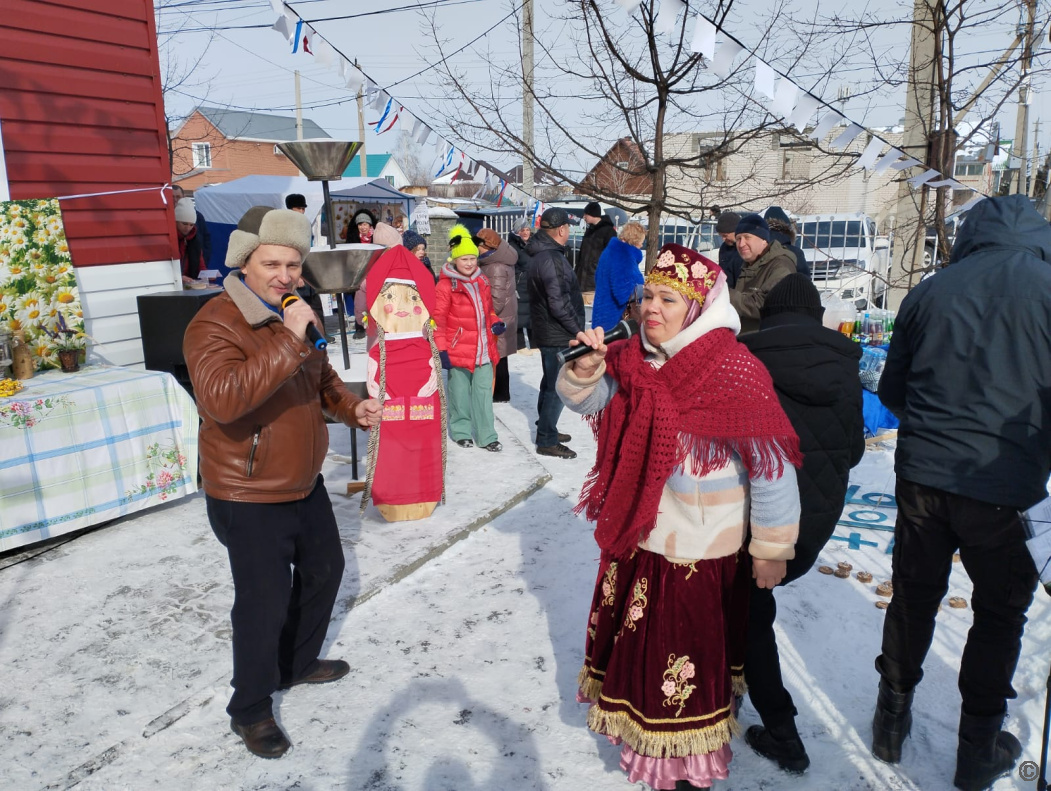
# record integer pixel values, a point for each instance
(626, 328)
(315, 337)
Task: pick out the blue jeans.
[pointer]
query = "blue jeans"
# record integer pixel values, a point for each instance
(548, 404)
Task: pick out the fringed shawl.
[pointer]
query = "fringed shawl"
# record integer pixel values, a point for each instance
(709, 401)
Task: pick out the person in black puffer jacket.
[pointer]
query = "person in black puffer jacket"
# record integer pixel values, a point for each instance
(600, 230)
(556, 315)
(815, 373)
(518, 239)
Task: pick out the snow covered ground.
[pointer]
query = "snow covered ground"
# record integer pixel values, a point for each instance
(465, 632)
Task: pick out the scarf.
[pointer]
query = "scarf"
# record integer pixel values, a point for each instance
(709, 401)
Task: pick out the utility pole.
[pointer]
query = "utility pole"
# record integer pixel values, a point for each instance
(909, 231)
(1018, 183)
(527, 95)
(361, 128)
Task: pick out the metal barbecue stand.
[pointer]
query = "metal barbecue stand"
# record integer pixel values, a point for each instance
(340, 268)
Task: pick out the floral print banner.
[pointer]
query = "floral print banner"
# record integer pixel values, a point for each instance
(38, 288)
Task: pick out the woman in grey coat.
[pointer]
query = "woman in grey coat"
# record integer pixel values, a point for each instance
(497, 260)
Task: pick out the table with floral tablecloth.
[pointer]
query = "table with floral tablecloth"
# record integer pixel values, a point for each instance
(80, 449)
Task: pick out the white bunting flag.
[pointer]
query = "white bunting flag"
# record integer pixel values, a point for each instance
(918, 181)
(370, 90)
(869, 156)
(723, 62)
(805, 107)
(629, 5)
(951, 183)
(425, 132)
(324, 53)
(905, 164)
(666, 16)
(764, 79)
(284, 26)
(784, 98)
(380, 100)
(825, 125)
(416, 127)
(278, 6)
(846, 136)
(353, 79)
(886, 161)
(704, 39)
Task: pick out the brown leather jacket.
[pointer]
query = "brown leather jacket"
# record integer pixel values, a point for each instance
(755, 281)
(260, 392)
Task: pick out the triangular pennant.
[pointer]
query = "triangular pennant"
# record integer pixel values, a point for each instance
(905, 164)
(284, 26)
(296, 36)
(309, 36)
(918, 181)
(825, 125)
(723, 62)
(666, 16)
(951, 183)
(784, 98)
(805, 106)
(703, 39)
(278, 6)
(324, 53)
(764, 79)
(380, 100)
(886, 161)
(353, 79)
(846, 136)
(869, 156)
(629, 5)
(425, 132)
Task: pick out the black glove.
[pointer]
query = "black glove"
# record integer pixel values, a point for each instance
(445, 360)
(498, 328)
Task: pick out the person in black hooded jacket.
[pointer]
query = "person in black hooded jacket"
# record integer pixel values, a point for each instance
(815, 373)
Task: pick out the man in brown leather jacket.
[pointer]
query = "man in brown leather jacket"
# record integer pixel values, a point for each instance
(766, 263)
(261, 391)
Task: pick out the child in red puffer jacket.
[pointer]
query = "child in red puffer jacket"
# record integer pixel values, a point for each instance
(465, 336)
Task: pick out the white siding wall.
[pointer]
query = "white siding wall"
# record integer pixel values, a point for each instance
(111, 315)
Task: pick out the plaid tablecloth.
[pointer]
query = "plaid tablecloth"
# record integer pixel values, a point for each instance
(80, 449)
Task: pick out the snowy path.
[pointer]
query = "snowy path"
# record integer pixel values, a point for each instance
(116, 660)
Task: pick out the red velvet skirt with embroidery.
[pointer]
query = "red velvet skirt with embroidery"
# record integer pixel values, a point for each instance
(665, 653)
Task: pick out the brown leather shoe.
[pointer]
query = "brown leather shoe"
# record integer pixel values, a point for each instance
(327, 670)
(263, 738)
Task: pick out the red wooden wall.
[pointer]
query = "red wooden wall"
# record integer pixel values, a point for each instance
(81, 112)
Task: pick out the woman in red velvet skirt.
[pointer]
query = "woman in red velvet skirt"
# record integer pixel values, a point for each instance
(694, 499)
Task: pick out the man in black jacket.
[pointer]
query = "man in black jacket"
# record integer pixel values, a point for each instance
(556, 315)
(599, 231)
(969, 375)
(815, 373)
(730, 260)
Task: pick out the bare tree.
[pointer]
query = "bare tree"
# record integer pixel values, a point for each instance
(410, 157)
(605, 77)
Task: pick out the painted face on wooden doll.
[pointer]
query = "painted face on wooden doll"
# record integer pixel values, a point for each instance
(399, 308)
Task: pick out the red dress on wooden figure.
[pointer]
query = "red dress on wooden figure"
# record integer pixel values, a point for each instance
(406, 461)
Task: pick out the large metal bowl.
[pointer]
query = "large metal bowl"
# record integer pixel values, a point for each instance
(339, 270)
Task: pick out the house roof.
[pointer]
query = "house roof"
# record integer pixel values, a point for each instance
(259, 126)
(375, 165)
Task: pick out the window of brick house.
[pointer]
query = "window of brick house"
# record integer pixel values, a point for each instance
(795, 163)
(202, 155)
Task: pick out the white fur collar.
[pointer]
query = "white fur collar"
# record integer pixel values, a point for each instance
(719, 314)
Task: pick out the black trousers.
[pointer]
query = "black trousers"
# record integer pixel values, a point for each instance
(762, 666)
(931, 525)
(502, 381)
(287, 563)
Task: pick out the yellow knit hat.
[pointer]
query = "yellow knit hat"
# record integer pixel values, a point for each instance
(461, 243)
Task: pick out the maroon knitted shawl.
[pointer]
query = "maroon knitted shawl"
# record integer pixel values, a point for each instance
(707, 402)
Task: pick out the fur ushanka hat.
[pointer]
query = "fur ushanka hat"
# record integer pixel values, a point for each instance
(263, 225)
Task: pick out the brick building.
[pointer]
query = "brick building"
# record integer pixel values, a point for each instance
(214, 145)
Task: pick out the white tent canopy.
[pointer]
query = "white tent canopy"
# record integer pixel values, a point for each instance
(227, 203)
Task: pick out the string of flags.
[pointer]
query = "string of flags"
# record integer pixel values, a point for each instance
(784, 99)
(449, 160)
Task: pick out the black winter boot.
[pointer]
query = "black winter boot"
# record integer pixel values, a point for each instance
(779, 743)
(683, 785)
(891, 723)
(985, 752)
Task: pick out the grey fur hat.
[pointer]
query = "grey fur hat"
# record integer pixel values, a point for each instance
(263, 225)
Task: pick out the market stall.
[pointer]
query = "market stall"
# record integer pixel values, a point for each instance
(223, 205)
(80, 449)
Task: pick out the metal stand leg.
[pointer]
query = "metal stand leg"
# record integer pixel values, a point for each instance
(342, 311)
(1041, 781)
(354, 453)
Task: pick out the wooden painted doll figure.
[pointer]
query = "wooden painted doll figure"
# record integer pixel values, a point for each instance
(406, 461)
